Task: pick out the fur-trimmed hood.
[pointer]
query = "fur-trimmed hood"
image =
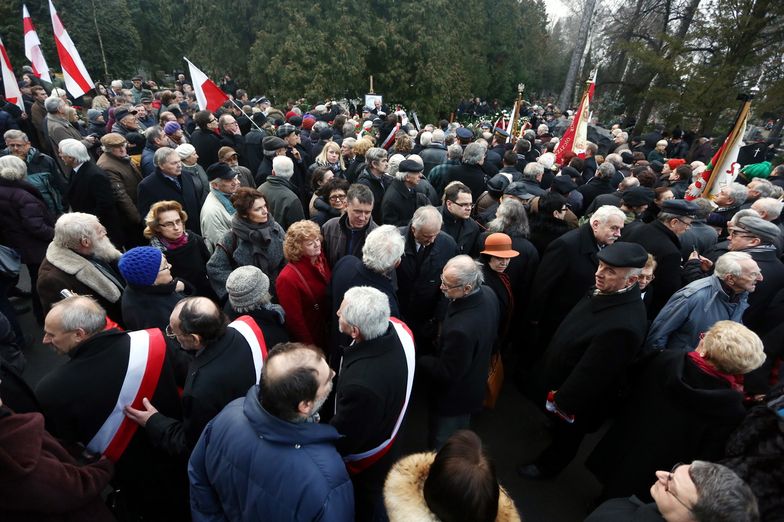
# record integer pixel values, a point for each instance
(85, 272)
(404, 492)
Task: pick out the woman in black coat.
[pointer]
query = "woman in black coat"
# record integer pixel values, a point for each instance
(151, 293)
(495, 257)
(25, 222)
(682, 406)
(185, 250)
(548, 224)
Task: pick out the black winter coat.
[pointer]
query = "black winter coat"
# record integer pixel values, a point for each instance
(626, 510)
(593, 188)
(760, 299)
(666, 248)
(189, 262)
(270, 322)
(400, 203)
(378, 186)
(207, 145)
(156, 187)
(90, 191)
(471, 176)
(698, 411)
(25, 221)
(150, 306)
(432, 155)
(587, 360)
(465, 232)
(459, 371)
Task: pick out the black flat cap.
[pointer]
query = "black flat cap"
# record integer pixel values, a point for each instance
(410, 166)
(638, 196)
(624, 255)
(679, 207)
(272, 143)
(220, 170)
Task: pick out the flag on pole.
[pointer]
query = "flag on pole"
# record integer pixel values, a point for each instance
(77, 79)
(33, 47)
(209, 95)
(575, 139)
(12, 92)
(723, 168)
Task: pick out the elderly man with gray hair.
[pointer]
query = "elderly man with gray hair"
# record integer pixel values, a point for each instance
(375, 178)
(59, 128)
(373, 389)
(427, 250)
(470, 171)
(458, 370)
(693, 309)
(401, 198)
(434, 153)
(597, 185)
(281, 194)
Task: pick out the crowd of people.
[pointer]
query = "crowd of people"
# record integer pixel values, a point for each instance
(246, 298)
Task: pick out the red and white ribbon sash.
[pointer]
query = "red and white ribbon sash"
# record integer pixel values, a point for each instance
(248, 328)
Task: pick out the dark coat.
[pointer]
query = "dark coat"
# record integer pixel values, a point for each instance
(459, 371)
(626, 510)
(272, 324)
(699, 412)
(432, 155)
(218, 374)
(565, 273)
(25, 221)
(41, 481)
(251, 150)
(378, 186)
(664, 245)
(465, 232)
(471, 176)
(521, 270)
(545, 230)
(207, 145)
(284, 204)
(78, 396)
(587, 359)
(400, 203)
(149, 306)
(157, 187)
(760, 299)
(593, 188)
(340, 240)
(90, 191)
(419, 279)
(189, 262)
(370, 392)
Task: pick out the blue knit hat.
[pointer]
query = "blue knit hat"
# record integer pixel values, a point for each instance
(140, 266)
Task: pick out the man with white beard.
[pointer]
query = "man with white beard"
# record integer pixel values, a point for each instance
(81, 259)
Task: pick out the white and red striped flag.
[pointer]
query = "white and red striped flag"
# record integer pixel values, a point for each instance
(209, 95)
(575, 139)
(77, 79)
(33, 47)
(12, 92)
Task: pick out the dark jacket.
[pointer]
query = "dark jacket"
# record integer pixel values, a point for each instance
(664, 245)
(284, 204)
(668, 389)
(252, 151)
(90, 191)
(149, 306)
(760, 299)
(207, 145)
(471, 176)
(545, 230)
(592, 188)
(25, 221)
(565, 273)
(587, 359)
(157, 187)
(626, 510)
(271, 322)
(41, 481)
(419, 278)
(78, 396)
(378, 186)
(218, 374)
(459, 371)
(125, 178)
(251, 465)
(465, 232)
(400, 203)
(432, 155)
(340, 240)
(189, 262)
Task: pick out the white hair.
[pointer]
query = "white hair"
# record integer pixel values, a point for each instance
(71, 228)
(367, 309)
(283, 167)
(81, 312)
(438, 136)
(547, 160)
(393, 164)
(427, 215)
(383, 249)
(729, 264)
(605, 212)
(75, 149)
(52, 104)
(117, 83)
(771, 206)
(12, 168)
(467, 270)
(425, 138)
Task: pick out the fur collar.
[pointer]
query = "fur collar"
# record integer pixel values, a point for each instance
(405, 500)
(85, 272)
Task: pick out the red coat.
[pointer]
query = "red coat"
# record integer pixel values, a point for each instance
(39, 480)
(305, 302)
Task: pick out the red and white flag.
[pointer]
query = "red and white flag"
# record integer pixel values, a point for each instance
(12, 92)
(33, 47)
(208, 95)
(77, 79)
(575, 139)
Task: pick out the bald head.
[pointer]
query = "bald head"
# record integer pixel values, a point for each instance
(196, 322)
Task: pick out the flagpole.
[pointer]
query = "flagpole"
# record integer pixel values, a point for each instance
(243, 112)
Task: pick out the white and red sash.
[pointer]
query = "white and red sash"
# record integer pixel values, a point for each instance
(390, 138)
(361, 461)
(145, 361)
(248, 328)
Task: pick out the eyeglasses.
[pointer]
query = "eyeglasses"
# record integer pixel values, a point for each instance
(447, 287)
(644, 277)
(169, 332)
(213, 120)
(667, 486)
(687, 223)
(463, 205)
(341, 197)
(172, 224)
(165, 267)
(736, 233)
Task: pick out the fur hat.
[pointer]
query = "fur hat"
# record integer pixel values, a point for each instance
(247, 287)
(140, 266)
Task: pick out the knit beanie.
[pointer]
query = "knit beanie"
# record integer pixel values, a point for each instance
(185, 150)
(93, 115)
(247, 287)
(140, 266)
(171, 127)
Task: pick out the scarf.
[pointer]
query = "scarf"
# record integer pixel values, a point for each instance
(224, 199)
(267, 250)
(735, 381)
(164, 244)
